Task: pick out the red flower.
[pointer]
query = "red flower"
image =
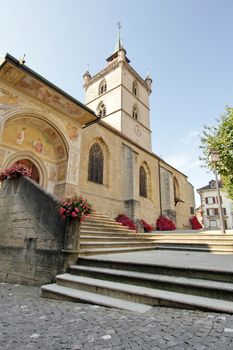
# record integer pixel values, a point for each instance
(195, 223)
(125, 221)
(165, 224)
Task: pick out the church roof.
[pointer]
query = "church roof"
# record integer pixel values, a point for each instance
(209, 186)
(30, 82)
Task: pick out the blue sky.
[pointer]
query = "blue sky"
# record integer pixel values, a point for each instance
(185, 44)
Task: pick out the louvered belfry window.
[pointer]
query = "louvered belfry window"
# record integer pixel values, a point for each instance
(96, 164)
(142, 182)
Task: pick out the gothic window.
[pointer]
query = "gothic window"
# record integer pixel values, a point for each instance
(102, 87)
(142, 182)
(96, 164)
(101, 110)
(176, 189)
(135, 88)
(135, 112)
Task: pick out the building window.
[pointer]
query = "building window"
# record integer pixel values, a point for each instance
(212, 184)
(142, 182)
(210, 200)
(135, 112)
(212, 212)
(135, 88)
(224, 211)
(102, 87)
(101, 110)
(96, 164)
(192, 210)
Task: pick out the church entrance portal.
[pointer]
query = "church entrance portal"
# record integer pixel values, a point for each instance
(35, 174)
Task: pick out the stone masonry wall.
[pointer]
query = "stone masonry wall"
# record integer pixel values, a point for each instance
(31, 233)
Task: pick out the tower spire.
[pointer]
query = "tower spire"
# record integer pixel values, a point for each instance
(119, 51)
(118, 42)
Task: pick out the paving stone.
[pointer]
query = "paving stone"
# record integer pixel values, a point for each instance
(31, 322)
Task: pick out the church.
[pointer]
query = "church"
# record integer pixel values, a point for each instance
(100, 149)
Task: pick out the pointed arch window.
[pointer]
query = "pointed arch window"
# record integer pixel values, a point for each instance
(135, 88)
(96, 164)
(102, 87)
(101, 111)
(135, 112)
(142, 182)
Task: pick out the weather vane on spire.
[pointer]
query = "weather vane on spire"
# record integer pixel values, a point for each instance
(119, 29)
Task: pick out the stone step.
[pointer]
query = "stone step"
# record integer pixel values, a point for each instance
(105, 228)
(194, 286)
(144, 295)
(101, 223)
(115, 238)
(213, 273)
(198, 248)
(191, 239)
(100, 220)
(109, 233)
(196, 243)
(114, 244)
(63, 293)
(99, 215)
(195, 236)
(97, 251)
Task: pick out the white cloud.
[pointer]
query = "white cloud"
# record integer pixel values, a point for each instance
(183, 162)
(192, 137)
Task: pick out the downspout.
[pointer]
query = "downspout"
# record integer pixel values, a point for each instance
(160, 195)
(92, 122)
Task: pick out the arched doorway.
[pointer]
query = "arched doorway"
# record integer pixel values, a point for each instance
(38, 144)
(35, 173)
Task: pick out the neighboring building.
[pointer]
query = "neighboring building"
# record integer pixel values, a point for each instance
(210, 207)
(104, 155)
(199, 215)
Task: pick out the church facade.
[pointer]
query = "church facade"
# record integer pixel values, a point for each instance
(101, 150)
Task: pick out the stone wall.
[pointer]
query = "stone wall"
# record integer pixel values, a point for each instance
(31, 233)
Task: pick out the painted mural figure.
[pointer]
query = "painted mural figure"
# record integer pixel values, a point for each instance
(72, 132)
(38, 145)
(20, 136)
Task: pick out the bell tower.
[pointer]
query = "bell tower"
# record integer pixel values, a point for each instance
(120, 96)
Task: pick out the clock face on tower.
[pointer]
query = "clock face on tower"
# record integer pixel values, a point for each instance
(138, 130)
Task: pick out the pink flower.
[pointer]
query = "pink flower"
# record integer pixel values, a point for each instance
(73, 214)
(62, 210)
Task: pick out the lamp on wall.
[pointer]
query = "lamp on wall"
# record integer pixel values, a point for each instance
(214, 159)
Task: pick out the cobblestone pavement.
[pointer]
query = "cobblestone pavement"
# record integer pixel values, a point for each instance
(30, 322)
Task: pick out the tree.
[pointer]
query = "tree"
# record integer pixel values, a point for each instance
(220, 138)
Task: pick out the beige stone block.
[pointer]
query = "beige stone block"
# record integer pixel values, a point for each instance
(12, 241)
(46, 244)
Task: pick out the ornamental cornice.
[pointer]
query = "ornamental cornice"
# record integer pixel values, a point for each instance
(111, 67)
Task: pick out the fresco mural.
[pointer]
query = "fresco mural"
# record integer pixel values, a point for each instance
(46, 95)
(72, 132)
(35, 136)
(7, 99)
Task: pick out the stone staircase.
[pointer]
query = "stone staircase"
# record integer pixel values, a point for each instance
(138, 286)
(199, 242)
(101, 234)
